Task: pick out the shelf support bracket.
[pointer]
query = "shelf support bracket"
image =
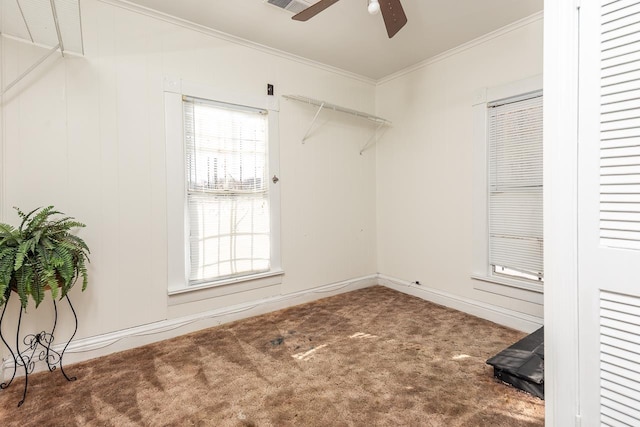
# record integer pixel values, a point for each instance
(306, 135)
(373, 138)
(24, 20)
(30, 69)
(54, 12)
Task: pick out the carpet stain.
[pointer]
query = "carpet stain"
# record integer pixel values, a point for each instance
(277, 341)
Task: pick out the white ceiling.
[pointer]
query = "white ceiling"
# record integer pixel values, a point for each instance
(346, 36)
(343, 36)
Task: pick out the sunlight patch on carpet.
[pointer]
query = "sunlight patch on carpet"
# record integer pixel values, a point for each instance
(307, 354)
(461, 357)
(362, 335)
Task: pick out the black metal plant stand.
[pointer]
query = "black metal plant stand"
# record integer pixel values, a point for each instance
(38, 348)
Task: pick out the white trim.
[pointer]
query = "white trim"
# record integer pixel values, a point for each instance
(503, 316)
(228, 281)
(3, 169)
(517, 289)
(101, 345)
(561, 53)
(527, 88)
(480, 268)
(123, 4)
(225, 287)
(465, 46)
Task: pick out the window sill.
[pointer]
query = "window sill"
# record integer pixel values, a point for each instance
(525, 291)
(224, 287)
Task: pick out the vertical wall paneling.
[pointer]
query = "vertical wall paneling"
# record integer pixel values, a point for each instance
(2, 168)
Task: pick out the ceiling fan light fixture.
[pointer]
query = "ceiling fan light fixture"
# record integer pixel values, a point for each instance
(373, 7)
(392, 14)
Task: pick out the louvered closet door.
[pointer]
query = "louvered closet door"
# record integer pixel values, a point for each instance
(609, 213)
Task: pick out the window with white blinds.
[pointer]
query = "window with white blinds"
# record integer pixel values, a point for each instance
(515, 187)
(227, 190)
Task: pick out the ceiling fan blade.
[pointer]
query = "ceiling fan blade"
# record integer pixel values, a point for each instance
(313, 10)
(393, 15)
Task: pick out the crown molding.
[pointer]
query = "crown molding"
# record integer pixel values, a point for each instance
(465, 46)
(124, 4)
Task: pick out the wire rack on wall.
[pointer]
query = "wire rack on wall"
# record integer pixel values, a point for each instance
(56, 24)
(326, 105)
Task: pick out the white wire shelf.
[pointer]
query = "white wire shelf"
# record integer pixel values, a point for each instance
(53, 23)
(326, 105)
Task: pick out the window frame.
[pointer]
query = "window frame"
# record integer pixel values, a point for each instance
(223, 197)
(482, 272)
(176, 181)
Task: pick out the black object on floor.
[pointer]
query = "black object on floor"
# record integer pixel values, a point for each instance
(522, 364)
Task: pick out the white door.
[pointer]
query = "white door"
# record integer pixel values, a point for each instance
(609, 213)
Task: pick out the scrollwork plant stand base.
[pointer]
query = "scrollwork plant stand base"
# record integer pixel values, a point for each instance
(38, 348)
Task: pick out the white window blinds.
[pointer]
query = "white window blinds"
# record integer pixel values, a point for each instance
(515, 186)
(227, 190)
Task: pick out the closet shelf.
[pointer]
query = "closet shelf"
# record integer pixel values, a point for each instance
(323, 104)
(53, 23)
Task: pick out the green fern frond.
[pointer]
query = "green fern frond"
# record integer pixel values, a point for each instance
(66, 224)
(7, 231)
(65, 264)
(78, 242)
(21, 254)
(25, 217)
(40, 218)
(37, 292)
(4, 294)
(52, 281)
(22, 286)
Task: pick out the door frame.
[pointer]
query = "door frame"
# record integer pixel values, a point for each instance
(561, 60)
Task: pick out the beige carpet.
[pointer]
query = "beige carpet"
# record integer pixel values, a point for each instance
(373, 357)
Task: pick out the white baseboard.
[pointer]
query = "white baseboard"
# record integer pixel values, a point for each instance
(502, 316)
(101, 345)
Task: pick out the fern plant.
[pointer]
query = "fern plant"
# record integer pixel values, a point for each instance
(41, 254)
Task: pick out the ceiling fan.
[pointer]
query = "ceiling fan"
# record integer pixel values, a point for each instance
(392, 13)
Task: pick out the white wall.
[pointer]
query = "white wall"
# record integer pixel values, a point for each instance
(87, 135)
(425, 161)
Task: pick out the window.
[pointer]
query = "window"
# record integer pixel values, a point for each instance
(515, 187)
(227, 193)
(223, 207)
(507, 190)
